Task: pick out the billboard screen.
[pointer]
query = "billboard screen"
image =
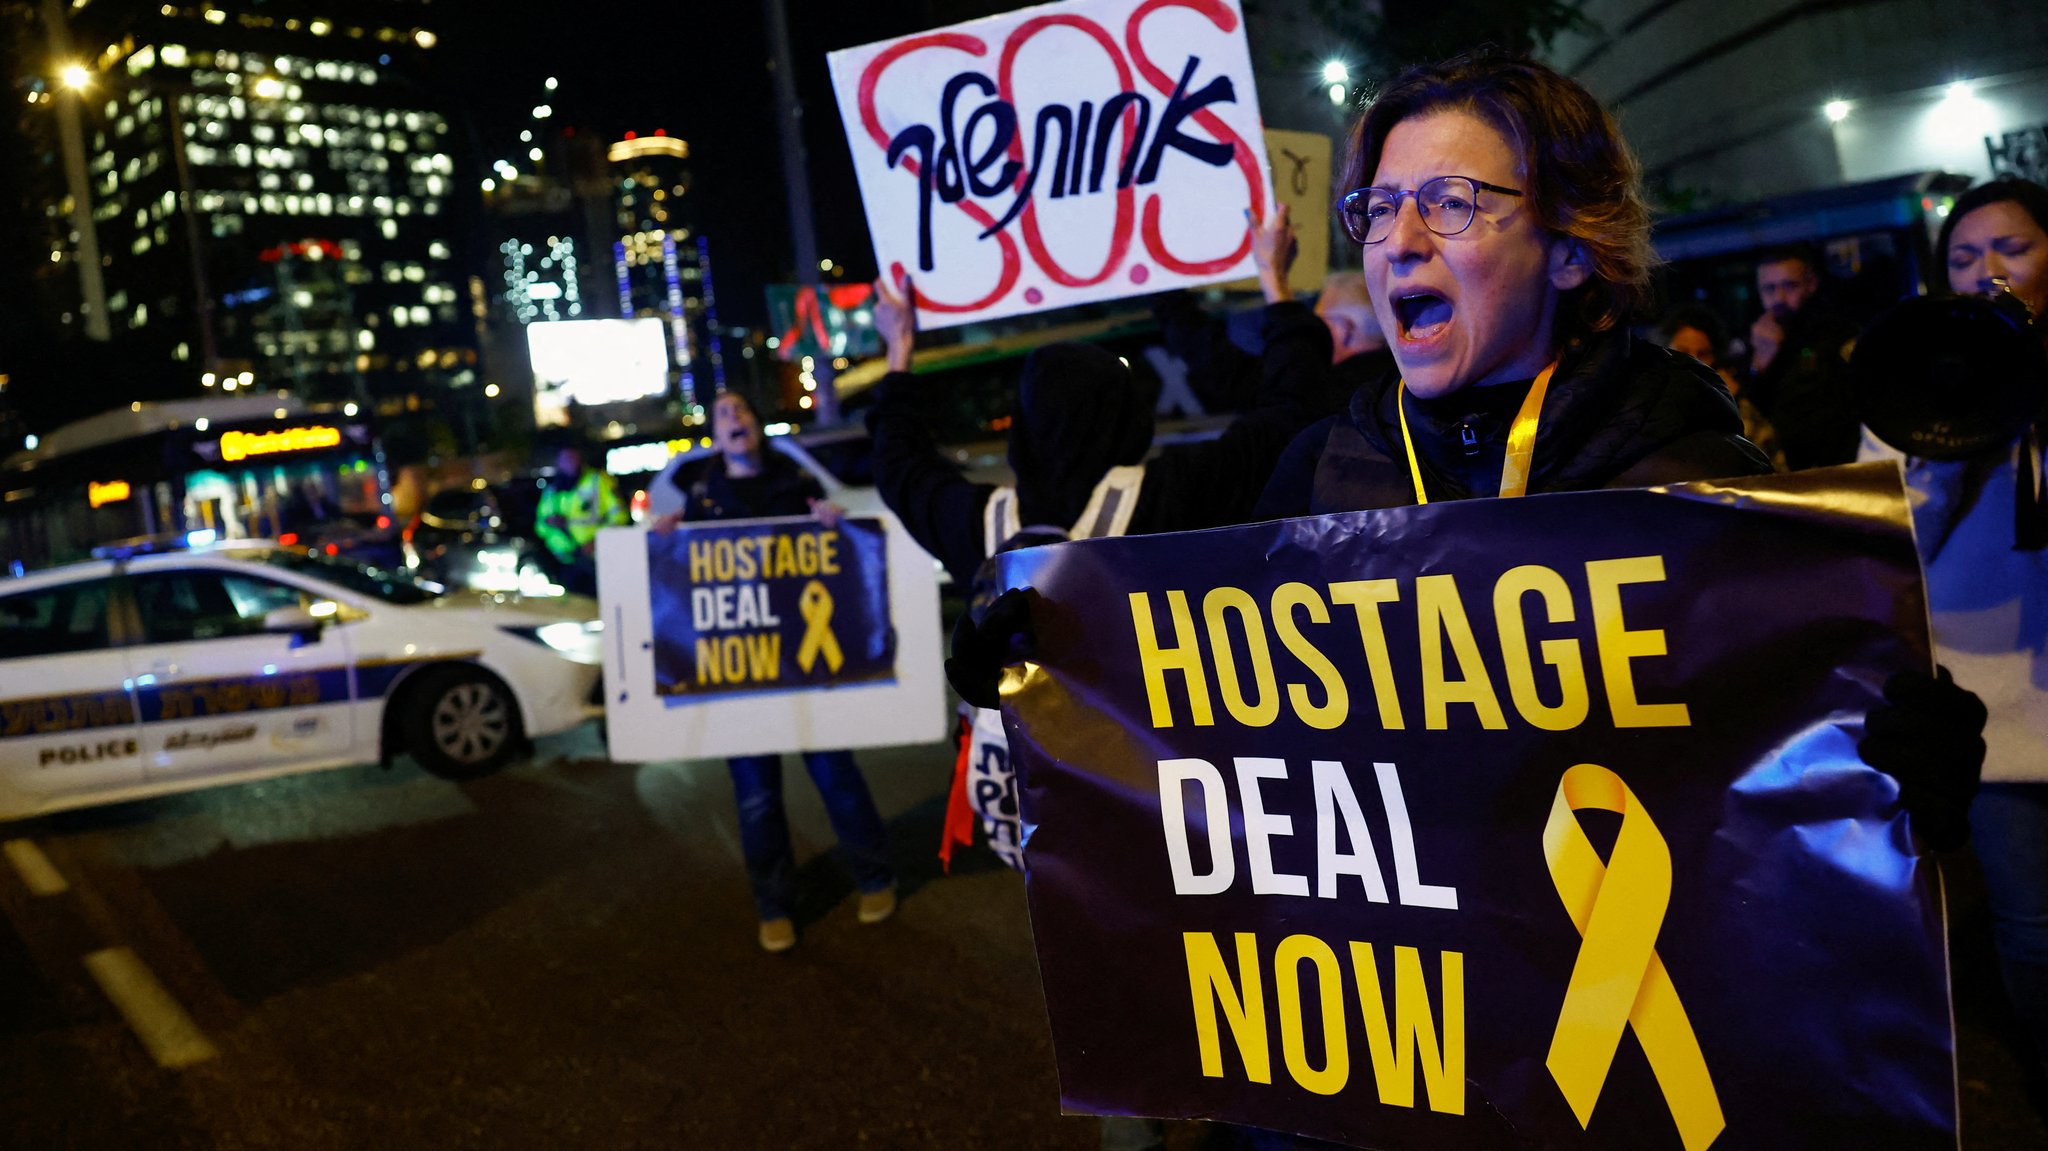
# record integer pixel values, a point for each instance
(595, 362)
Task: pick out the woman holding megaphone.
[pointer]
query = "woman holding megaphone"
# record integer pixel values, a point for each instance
(1956, 386)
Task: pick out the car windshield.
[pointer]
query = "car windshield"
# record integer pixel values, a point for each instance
(389, 586)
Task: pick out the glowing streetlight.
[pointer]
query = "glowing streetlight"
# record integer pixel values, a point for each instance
(269, 87)
(76, 77)
(1335, 72)
(425, 39)
(543, 111)
(490, 185)
(1837, 111)
(491, 390)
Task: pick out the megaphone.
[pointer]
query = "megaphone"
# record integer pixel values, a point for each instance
(1950, 377)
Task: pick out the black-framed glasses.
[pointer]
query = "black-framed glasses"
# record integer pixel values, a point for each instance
(1446, 204)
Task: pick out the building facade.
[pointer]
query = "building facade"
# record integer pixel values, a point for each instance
(661, 261)
(1728, 101)
(268, 188)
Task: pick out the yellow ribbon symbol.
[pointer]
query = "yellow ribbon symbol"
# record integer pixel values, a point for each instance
(815, 605)
(1618, 980)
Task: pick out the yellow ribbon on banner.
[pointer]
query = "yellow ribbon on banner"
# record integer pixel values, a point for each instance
(1618, 980)
(815, 605)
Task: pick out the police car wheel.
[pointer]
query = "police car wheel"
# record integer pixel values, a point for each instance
(461, 723)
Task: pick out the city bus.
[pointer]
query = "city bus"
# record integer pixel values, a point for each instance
(252, 466)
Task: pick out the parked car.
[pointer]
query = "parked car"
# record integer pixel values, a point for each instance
(364, 538)
(137, 675)
(481, 536)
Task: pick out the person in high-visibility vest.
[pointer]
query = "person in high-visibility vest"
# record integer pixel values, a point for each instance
(580, 500)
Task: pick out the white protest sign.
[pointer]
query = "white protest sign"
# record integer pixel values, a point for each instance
(646, 722)
(1058, 155)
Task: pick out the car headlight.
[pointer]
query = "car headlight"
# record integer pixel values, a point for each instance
(575, 640)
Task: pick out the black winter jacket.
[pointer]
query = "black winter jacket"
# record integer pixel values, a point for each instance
(781, 488)
(1186, 486)
(1620, 413)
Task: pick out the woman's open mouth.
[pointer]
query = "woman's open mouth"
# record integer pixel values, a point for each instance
(1424, 316)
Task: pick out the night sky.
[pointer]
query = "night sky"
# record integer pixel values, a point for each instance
(699, 70)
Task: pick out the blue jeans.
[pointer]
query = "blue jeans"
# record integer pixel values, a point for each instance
(2009, 822)
(764, 825)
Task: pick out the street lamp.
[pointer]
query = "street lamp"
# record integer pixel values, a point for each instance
(1335, 72)
(269, 87)
(76, 77)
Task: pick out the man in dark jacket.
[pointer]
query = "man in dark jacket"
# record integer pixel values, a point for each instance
(1225, 377)
(1799, 361)
(1081, 435)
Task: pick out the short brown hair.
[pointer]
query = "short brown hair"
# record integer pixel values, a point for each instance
(1583, 182)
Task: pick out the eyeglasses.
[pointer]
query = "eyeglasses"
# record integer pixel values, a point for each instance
(1446, 204)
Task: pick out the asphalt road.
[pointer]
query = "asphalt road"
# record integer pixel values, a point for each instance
(561, 956)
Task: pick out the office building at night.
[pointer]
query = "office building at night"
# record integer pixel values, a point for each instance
(265, 190)
(661, 261)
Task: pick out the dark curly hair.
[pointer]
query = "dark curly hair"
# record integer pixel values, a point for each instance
(1583, 182)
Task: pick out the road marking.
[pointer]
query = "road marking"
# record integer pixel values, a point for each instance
(172, 1038)
(35, 868)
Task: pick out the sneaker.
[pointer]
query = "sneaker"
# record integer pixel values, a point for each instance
(777, 935)
(875, 906)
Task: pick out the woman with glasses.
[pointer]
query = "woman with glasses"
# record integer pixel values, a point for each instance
(1505, 244)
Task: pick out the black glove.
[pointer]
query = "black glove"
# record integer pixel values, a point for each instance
(1929, 735)
(981, 648)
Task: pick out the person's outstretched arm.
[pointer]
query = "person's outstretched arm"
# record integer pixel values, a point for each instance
(939, 507)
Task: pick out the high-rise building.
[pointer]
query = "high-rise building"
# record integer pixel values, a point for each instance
(266, 188)
(661, 262)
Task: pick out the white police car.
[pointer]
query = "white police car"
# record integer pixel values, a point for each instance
(153, 673)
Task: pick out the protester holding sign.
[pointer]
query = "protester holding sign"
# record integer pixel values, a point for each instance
(1981, 526)
(1078, 448)
(742, 480)
(1502, 289)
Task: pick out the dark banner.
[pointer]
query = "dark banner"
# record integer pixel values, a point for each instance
(1499, 823)
(769, 605)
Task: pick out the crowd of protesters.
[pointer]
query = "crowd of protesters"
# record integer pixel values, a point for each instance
(1505, 296)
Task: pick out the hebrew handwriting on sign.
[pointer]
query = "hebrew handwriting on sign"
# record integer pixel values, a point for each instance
(1070, 154)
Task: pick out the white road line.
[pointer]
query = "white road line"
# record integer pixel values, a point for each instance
(35, 868)
(172, 1038)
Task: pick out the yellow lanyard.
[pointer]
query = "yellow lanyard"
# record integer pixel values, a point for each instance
(1514, 470)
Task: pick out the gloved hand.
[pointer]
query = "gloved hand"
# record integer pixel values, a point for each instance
(1929, 735)
(981, 649)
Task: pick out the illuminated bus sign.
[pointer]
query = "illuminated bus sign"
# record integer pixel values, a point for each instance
(101, 494)
(235, 446)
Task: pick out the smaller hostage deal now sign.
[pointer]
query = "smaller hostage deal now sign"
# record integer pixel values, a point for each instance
(1059, 155)
(770, 605)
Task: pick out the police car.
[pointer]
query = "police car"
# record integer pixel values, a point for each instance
(141, 674)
